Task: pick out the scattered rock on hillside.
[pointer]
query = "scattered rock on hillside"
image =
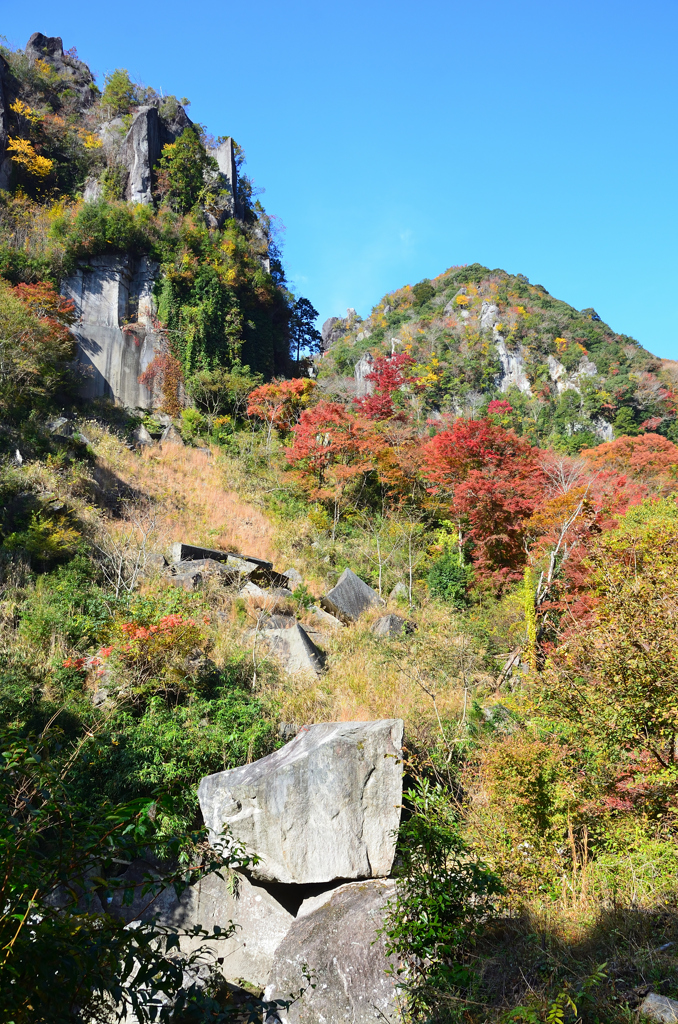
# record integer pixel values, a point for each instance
(339, 945)
(392, 625)
(293, 647)
(324, 618)
(350, 597)
(400, 590)
(279, 622)
(363, 387)
(141, 436)
(252, 590)
(50, 50)
(171, 435)
(322, 808)
(293, 576)
(659, 1008)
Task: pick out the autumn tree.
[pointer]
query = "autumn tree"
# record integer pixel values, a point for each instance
(388, 377)
(492, 480)
(280, 403)
(35, 343)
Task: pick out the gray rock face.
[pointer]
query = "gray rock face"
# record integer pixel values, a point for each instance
(293, 647)
(350, 597)
(391, 625)
(513, 368)
(245, 565)
(489, 315)
(322, 808)
(363, 387)
(139, 153)
(261, 921)
(107, 293)
(565, 381)
(293, 576)
(331, 331)
(400, 590)
(224, 155)
(50, 49)
(338, 941)
(141, 436)
(659, 1008)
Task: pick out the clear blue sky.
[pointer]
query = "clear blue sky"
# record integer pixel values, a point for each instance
(396, 139)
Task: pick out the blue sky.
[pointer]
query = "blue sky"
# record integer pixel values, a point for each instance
(394, 140)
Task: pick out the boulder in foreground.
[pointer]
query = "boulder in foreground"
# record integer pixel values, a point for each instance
(345, 956)
(322, 808)
(350, 597)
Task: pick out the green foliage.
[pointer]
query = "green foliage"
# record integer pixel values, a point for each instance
(441, 900)
(119, 92)
(423, 292)
(449, 579)
(625, 422)
(62, 958)
(182, 171)
(67, 604)
(103, 227)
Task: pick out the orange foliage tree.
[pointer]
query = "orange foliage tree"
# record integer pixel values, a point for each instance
(280, 403)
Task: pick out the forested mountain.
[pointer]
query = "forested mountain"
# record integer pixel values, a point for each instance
(239, 562)
(475, 335)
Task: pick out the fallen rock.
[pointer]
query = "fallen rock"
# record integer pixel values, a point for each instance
(279, 622)
(281, 592)
(392, 625)
(350, 597)
(399, 591)
(171, 435)
(141, 436)
(261, 921)
(338, 944)
(191, 580)
(324, 618)
(659, 1008)
(323, 807)
(292, 575)
(245, 565)
(252, 590)
(293, 647)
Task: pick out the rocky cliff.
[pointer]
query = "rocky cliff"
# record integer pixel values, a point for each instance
(474, 335)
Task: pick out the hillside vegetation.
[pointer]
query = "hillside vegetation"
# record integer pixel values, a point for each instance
(534, 563)
(476, 334)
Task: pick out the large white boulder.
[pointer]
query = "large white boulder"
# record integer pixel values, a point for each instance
(324, 807)
(338, 944)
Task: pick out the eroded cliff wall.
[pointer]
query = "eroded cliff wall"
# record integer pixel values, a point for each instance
(116, 339)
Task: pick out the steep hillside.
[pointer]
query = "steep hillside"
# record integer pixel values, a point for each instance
(476, 335)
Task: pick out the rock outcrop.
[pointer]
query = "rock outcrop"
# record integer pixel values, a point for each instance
(224, 154)
(323, 808)
(50, 50)
(339, 946)
(114, 331)
(294, 649)
(350, 597)
(362, 368)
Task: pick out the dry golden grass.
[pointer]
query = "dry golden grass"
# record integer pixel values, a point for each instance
(195, 498)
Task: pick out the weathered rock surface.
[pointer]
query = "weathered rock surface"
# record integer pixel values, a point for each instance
(513, 368)
(659, 1008)
(245, 565)
(107, 293)
(139, 153)
(171, 435)
(224, 154)
(261, 921)
(141, 436)
(392, 625)
(325, 619)
(293, 647)
(400, 590)
(293, 576)
(323, 807)
(339, 943)
(331, 331)
(350, 597)
(489, 315)
(362, 368)
(50, 49)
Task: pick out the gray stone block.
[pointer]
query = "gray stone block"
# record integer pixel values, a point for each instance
(171, 435)
(350, 597)
(392, 625)
(322, 808)
(338, 943)
(659, 1008)
(295, 650)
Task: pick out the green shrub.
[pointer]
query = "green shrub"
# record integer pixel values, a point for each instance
(119, 92)
(66, 604)
(182, 171)
(449, 579)
(423, 292)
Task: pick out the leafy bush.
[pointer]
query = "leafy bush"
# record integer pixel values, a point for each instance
(119, 92)
(423, 292)
(449, 579)
(442, 897)
(183, 172)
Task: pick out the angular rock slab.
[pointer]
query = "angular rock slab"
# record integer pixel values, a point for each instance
(293, 647)
(659, 1008)
(322, 808)
(348, 967)
(261, 922)
(391, 625)
(350, 597)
